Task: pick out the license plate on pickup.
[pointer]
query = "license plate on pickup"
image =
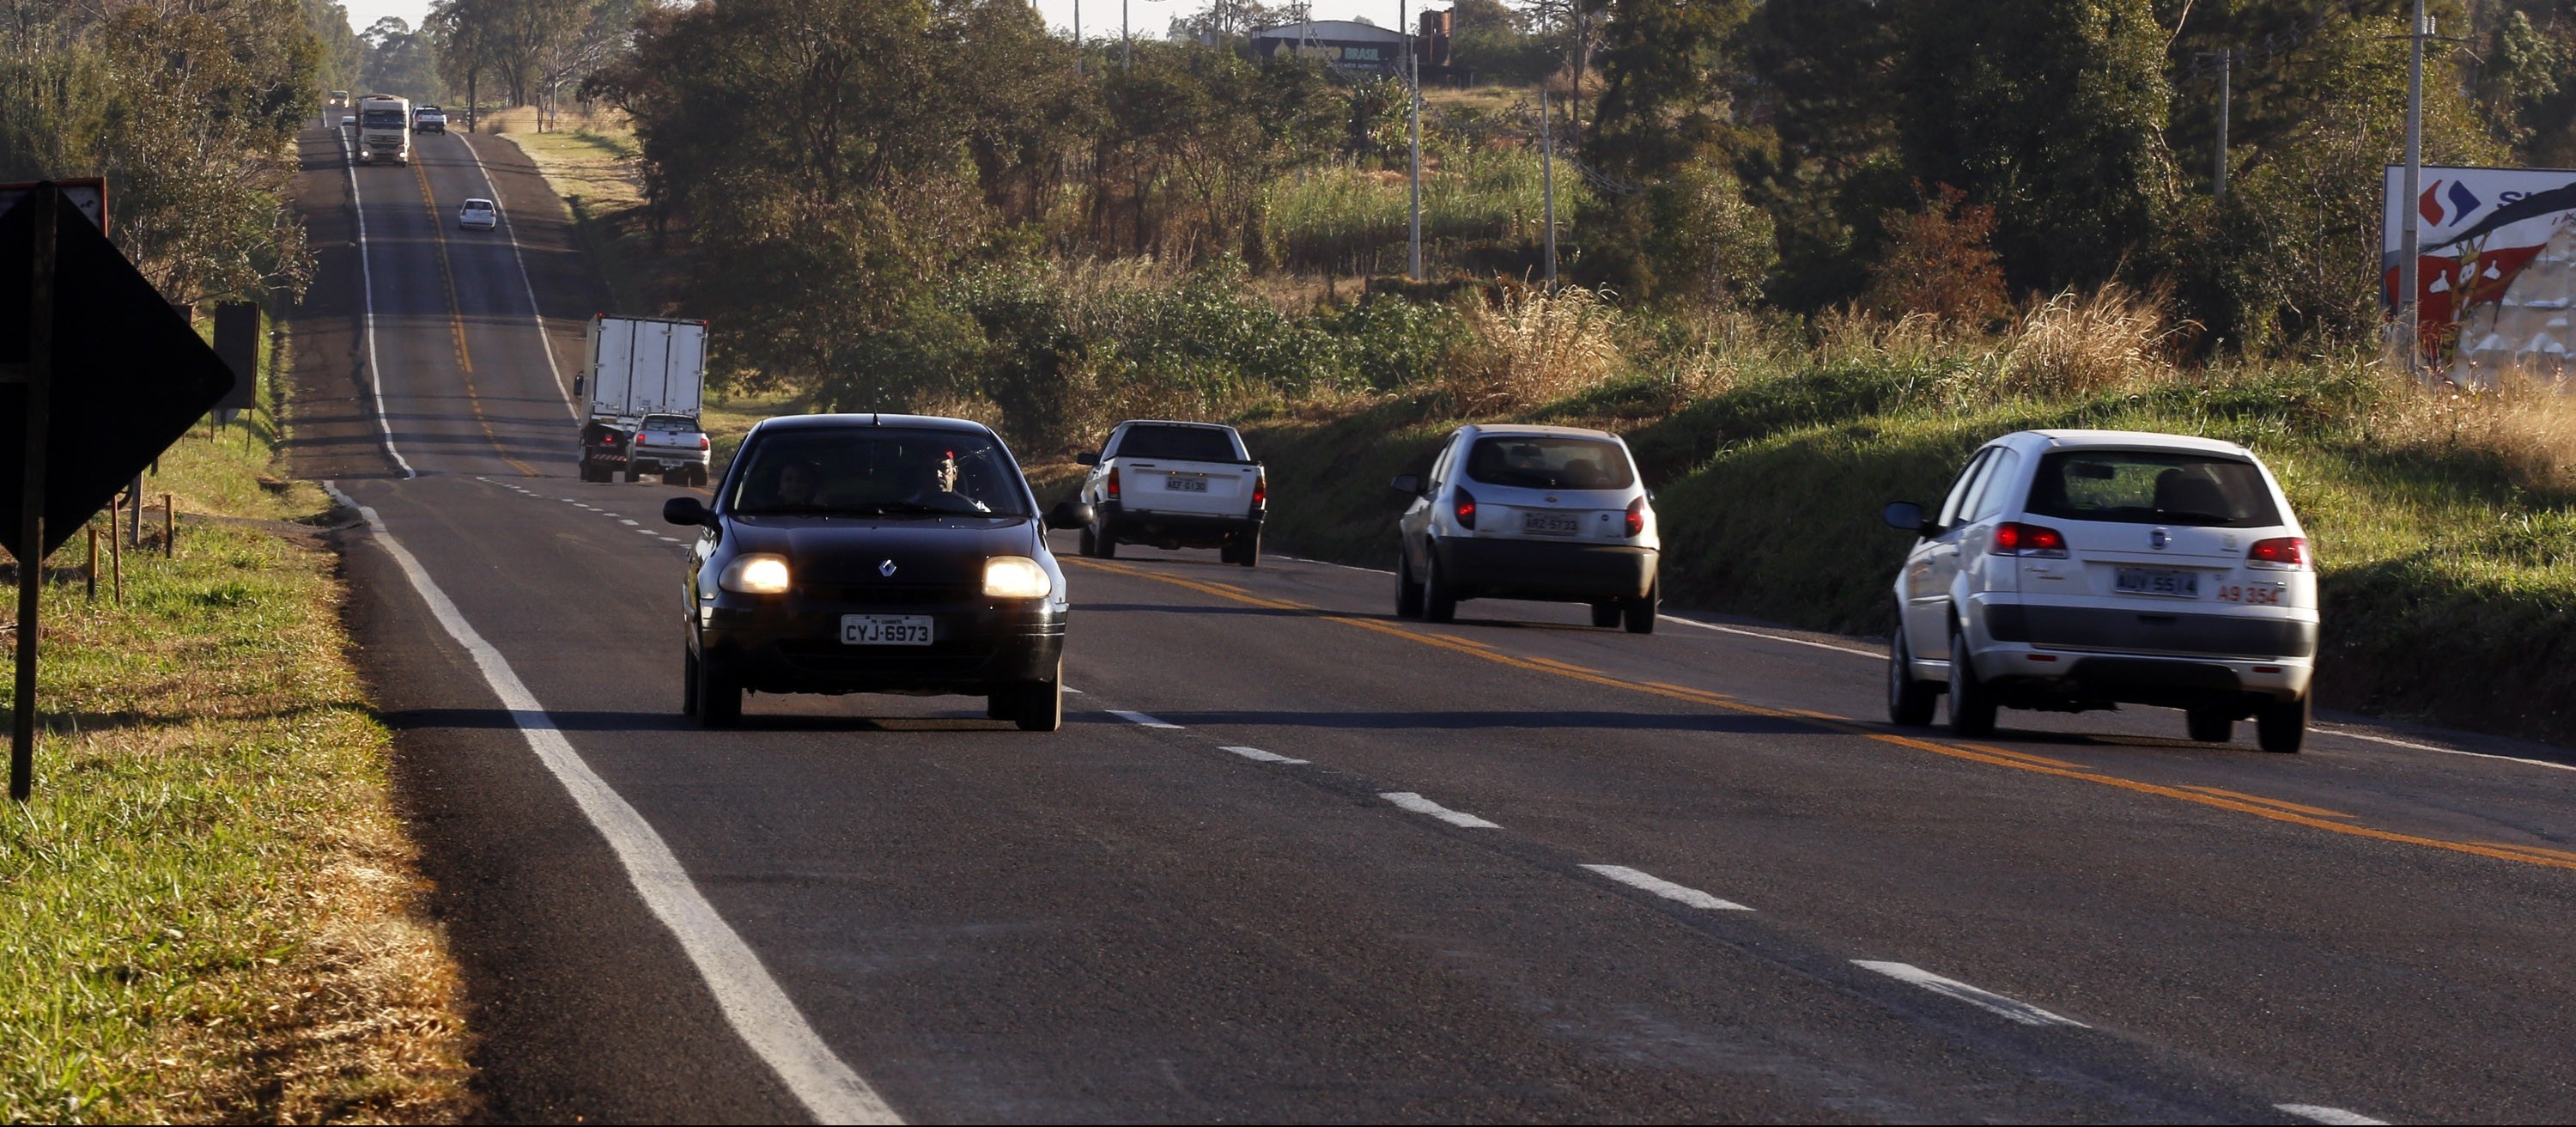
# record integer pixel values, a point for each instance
(2157, 581)
(885, 629)
(1175, 483)
(1550, 524)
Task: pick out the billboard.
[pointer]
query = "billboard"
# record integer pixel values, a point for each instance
(2495, 266)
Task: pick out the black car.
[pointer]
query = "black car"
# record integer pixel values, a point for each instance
(874, 554)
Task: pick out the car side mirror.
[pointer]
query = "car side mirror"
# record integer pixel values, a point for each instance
(1907, 516)
(577, 381)
(688, 511)
(1069, 515)
(1408, 484)
(1087, 458)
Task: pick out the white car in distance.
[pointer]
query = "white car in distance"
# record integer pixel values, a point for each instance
(2071, 570)
(1557, 514)
(478, 215)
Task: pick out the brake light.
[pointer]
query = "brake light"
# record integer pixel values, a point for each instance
(1637, 517)
(1466, 509)
(2013, 538)
(1260, 490)
(702, 442)
(1113, 483)
(2288, 553)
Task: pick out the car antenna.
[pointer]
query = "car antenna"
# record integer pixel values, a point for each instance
(875, 419)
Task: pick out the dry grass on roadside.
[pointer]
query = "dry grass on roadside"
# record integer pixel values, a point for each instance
(1531, 347)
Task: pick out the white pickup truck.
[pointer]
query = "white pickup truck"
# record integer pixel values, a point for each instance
(1175, 485)
(670, 445)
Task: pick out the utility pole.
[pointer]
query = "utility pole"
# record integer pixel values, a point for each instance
(1077, 36)
(1126, 40)
(1413, 66)
(1547, 179)
(2411, 241)
(2226, 85)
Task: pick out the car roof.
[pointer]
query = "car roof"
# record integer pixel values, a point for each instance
(1173, 423)
(2130, 440)
(477, 199)
(862, 419)
(1534, 430)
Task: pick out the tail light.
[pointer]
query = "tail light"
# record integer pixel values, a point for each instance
(2285, 553)
(1113, 483)
(1260, 490)
(1637, 518)
(702, 442)
(2013, 538)
(1466, 509)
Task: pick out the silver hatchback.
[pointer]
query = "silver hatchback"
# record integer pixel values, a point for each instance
(1529, 512)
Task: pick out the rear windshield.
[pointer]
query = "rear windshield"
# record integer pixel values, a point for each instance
(1543, 462)
(878, 471)
(2150, 487)
(670, 422)
(1184, 444)
(380, 119)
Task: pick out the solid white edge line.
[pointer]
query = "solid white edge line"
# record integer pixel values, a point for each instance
(535, 311)
(1405, 799)
(2316, 1113)
(1668, 890)
(1768, 637)
(1259, 756)
(2012, 1009)
(1140, 719)
(753, 1002)
(367, 287)
(2413, 746)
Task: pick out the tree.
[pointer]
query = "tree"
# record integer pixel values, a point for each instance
(1666, 122)
(400, 61)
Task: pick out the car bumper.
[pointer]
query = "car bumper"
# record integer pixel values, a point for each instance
(2133, 655)
(794, 646)
(1554, 570)
(669, 459)
(1145, 526)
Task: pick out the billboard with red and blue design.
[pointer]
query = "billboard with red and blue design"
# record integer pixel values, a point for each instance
(2495, 265)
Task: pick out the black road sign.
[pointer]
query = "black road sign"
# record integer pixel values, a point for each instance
(237, 341)
(128, 375)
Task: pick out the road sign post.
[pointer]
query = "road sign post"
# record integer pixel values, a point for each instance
(36, 378)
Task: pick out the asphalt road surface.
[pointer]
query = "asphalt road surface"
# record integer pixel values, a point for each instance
(1292, 858)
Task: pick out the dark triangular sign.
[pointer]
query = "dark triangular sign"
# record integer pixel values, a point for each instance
(129, 376)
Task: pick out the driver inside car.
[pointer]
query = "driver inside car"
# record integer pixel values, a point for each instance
(933, 484)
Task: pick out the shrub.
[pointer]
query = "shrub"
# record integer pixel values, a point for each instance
(1939, 261)
(1530, 347)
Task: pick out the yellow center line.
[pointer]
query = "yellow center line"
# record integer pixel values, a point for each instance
(456, 323)
(2225, 793)
(2555, 853)
(2268, 809)
(2027, 757)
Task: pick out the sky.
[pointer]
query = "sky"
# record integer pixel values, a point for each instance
(1099, 17)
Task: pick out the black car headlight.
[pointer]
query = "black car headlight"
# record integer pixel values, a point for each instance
(755, 573)
(1016, 577)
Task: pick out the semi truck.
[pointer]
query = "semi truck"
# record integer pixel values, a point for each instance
(384, 129)
(644, 369)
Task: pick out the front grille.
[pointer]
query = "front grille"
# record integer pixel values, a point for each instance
(889, 594)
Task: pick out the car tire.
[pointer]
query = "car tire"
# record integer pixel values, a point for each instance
(1247, 548)
(672, 477)
(1640, 613)
(1084, 542)
(1607, 613)
(698, 476)
(1408, 590)
(1104, 541)
(1037, 706)
(719, 696)
(633, 475)
(1972, 709)
(1439, 599)
(1910, 700)
(2210, 725)
(2282, 726)
(688, 683)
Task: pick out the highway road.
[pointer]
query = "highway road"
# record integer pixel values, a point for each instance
(1292, 858)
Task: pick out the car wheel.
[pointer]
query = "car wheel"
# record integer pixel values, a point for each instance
(719, 696)
(1910, 700)
(1227, 551)
(1408, 590)
(1641, 612)
(688, 683)
(1247, 548)
(2282, 726)
(1439, 599)
(1037, 706)
(1104, 541)
(1972, 711)
(1087, 545)
(2210, 725)
(698, 476)
(633, 475)
(1606, 613)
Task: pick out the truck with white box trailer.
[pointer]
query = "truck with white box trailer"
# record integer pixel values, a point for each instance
(639, 367)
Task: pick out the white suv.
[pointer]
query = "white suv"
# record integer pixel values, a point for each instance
(1528, 512)
(2079, 569)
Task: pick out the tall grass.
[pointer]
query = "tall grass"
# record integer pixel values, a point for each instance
(1529, 347)
(1334, 217)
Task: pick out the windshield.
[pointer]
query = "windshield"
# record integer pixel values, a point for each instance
(1187, 444)
(670, 422)
(381, 119)
(879, 471)
(1548, 462)
(2152, 487)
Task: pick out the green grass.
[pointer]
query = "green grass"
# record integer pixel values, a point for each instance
(592, 165)
(206, 911)
(1478, 209)
(2448, 578)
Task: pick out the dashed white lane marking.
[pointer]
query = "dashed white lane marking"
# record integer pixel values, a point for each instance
(2334, 1115)
(648, 532)
(624, 521)
(1141, 719)
(2011, 1008)
(1408, 800)
(668, 539)
(759, 1010)
(367, 277)
(1259, 756)
(1667, 889)
(1074, 691)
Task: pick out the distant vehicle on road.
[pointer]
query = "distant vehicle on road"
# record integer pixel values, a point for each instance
(427, 118)
(638, 366)
(339, 99)
(349, 121)
(874, 554)
(478, 215)
(384, 129)
(1175, 485)
(1557, 514)
(2073, 569)
(672, 446)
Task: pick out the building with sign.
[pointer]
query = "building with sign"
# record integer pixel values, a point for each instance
(1358, 48)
